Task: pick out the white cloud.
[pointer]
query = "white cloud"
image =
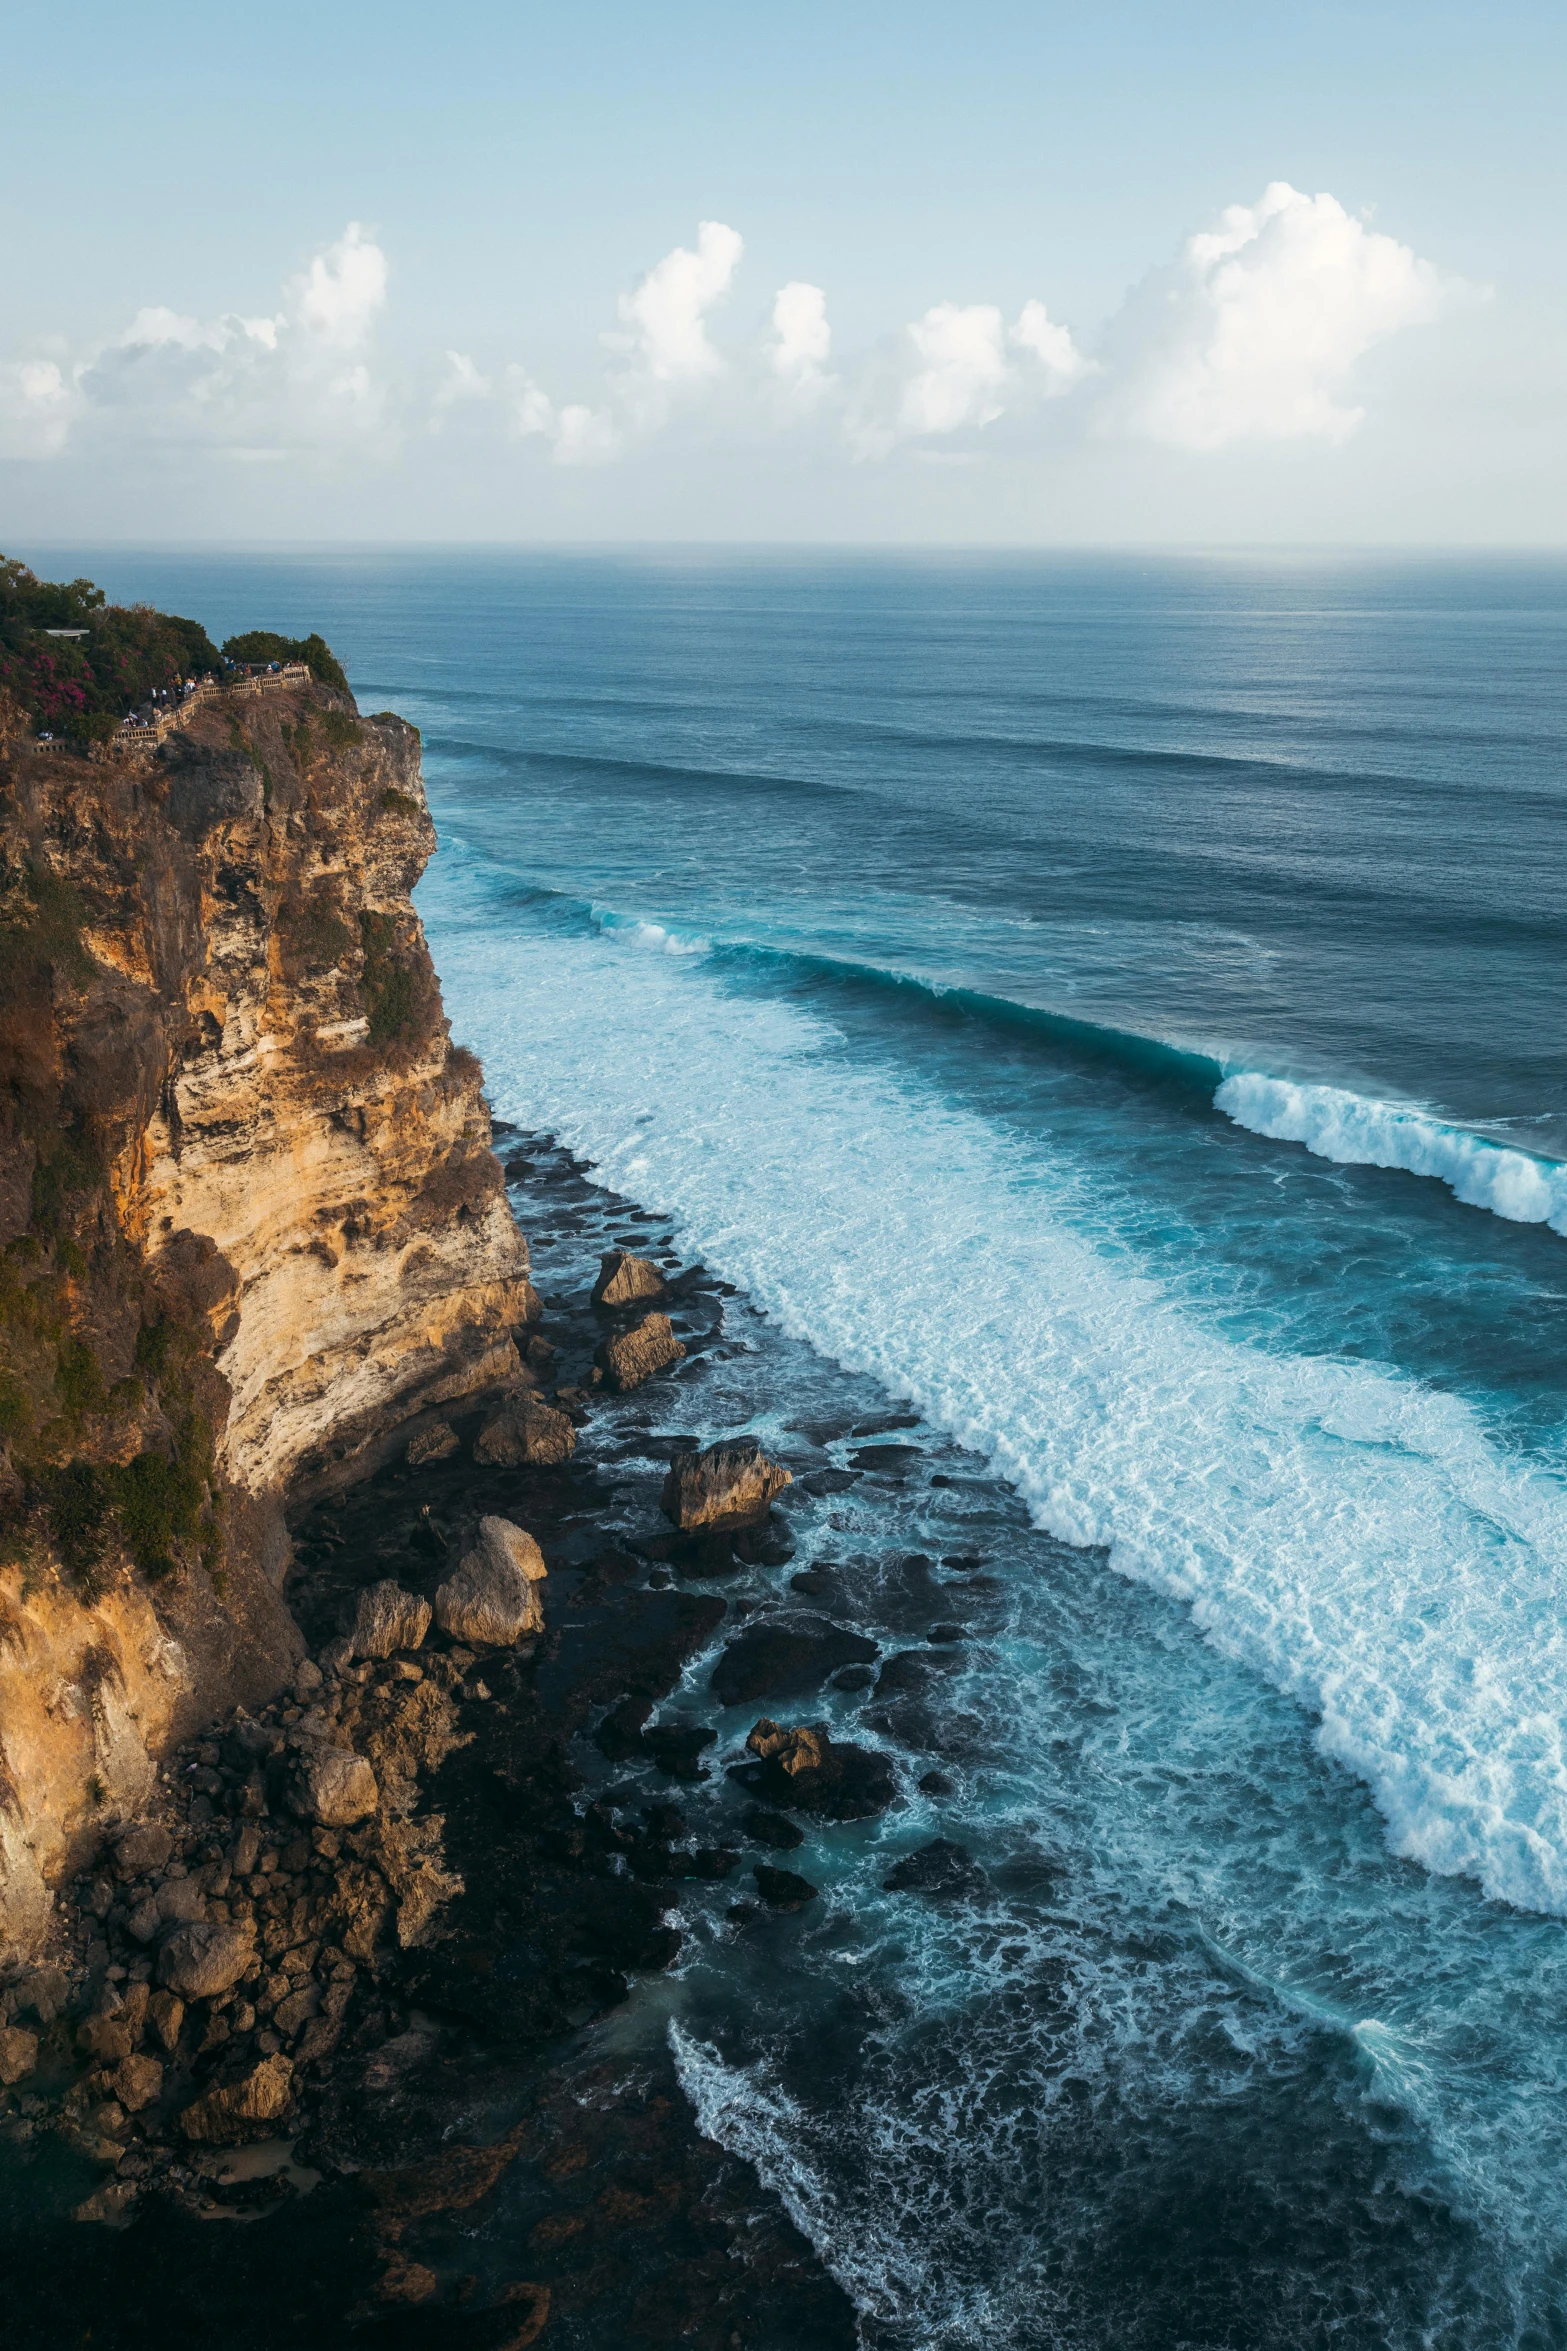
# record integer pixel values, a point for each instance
(802, 340)
(338, 297)
(461, 383)
(36, 408)
(956, 375)
(1254, 331)
(666, 315)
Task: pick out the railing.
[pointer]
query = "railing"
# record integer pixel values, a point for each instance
(139, 734)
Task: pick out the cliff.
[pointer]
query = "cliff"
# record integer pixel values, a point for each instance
(250, 1224)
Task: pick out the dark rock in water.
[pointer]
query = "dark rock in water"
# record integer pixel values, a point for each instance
(809, 1771)
(619, 1735)
(819, 1483)
(963, 1561)
(712, 1863)
(623, 1279)
(935, 1783)
(891, 1460)
(940, 1868)
(794, 1654)
(676, 1747)
(884, 1427)
(812, 1581)
(725, 1485)
(911, 1670)
(943, 1635)
(772, 1828)
(781, 1889)
(854, 1677)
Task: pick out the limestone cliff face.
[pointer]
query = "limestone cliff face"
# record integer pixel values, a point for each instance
(250, 1220)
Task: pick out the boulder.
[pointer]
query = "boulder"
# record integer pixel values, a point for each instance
(782, 1889)
(772, 1828)
(436, 1443)
(940, 1868)
(241, 2109)
(808, 1771)
(18, 2055)
(107, 2038)
(202, 1962)
(525, 1431)
(333, 1787)
(137, 2082)
(174, 1904)
(631, 1357)
(165, 2015)
(493, 1600)
(728, 1484)
(388, 1618)
(797, 1653)
(145, 1846)
(623, 1279)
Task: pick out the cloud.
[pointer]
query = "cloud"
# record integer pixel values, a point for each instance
(338, 297)
(1253, 332)
(665, 351)
(957, 374)
(802, 340)
(461, 384)
(37, 405)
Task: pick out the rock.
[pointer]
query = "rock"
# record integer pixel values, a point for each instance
(297, 2010)
(945, 1636)
(935, 1783)
(389, 1618)
(781, 1889)
(165, 2015)
(44, 1991)
(854, 1677)
(307, 1681)
(334, 1787)
(436, 1443)
(175, 1902)
(137, 2081)
(619, 1735)
(525, 1431)
(145, 1847)
(808, 1771)
(796, 1654)
(244, 2108)
(112, 2202)
(107, 2038)
(18, 2055)
(728, 1484)
(631, 1357)
(493, 1600)
(404, 2280)
(772, 1828)
(891, 1460)
(623, 1279)
(676, 1748)
(202, 1962)
(939, 1868)
(523, 2311)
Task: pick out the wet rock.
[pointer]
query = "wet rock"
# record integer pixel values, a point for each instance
(772, 1828)
(333, 1786)
(18, 2055)
(630, 1357)
(854, 1677)
(939, 1868)
(807, 1770)
(619, 1735)
(493, 1600)
(781, 1889)
(935, 1783)
(794, 1654)
(727, 1484)
(890, 1460)
(525, 1431)
(438, 1442)
(387, 1618)
(945, 1636)
(623, 1279)
(245, 2108)
(203, 1962)
(137, 2082)
(676, 1747)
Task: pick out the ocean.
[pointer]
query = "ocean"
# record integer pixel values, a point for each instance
(1108, 1010)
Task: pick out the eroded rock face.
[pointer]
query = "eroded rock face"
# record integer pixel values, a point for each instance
(493, 1600)
(524, 1430)
(630, 1357)
(226, 2114)
(387, 1618)
(289, 1224)
(728, 1484)
(623, 1279)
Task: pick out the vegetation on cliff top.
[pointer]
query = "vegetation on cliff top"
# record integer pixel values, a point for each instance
(82, 686)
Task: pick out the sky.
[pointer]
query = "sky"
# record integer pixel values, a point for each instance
(859, 273)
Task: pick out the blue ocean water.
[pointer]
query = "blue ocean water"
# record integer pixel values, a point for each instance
(1115, 1005)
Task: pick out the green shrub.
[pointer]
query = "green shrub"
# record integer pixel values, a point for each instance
(341, 731)
(267, 645)
(389, 988)
(395, 803)
(78, 1499)
(79, 1380)
(159, 1503)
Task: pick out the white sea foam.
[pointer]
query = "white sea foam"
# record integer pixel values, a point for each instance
(1353, 1537)
(1359, 1132)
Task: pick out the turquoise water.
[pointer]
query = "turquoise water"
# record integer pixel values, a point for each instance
(1115, 1005)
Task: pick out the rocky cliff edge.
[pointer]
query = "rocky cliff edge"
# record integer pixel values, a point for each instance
(251, 1228)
